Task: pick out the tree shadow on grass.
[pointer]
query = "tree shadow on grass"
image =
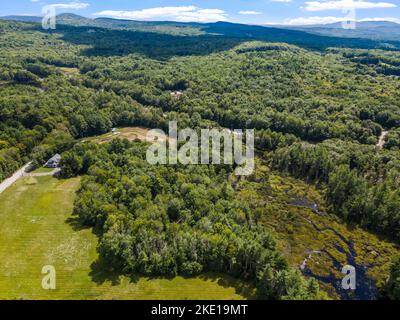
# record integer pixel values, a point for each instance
(77, 225)
(244, 288)
(102, 271)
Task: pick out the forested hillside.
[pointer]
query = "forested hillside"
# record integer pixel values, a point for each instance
(319, 106)
(168, 220)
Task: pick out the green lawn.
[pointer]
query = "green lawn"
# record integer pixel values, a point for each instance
(43, 170)
(36, 230)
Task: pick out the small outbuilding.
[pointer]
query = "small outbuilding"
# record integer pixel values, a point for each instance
(53, 162)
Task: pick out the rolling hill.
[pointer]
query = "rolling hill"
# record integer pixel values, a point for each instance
(367, 36)
(377, 30)
(22, 18)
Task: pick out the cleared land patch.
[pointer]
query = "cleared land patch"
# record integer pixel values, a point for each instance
(70, 71)
(36, 229)
(129, 133)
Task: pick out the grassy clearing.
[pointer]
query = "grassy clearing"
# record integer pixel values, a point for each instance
(43, 170)
(36, 229)
(130, 133)
(70, 71)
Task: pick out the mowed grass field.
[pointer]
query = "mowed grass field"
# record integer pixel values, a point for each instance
(36, 230)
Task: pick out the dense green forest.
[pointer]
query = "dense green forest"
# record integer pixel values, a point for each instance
(318, 105)
(393, 285)
(168, 220)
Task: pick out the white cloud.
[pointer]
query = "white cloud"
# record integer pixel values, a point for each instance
(327, 20)
(249, 12)
(180, 14)
(71, 5)
(345, 4)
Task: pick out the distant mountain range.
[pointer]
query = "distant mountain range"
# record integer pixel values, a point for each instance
(359, 25)
(376, 30)
(370, 34)
(22, 18)
(79, 21)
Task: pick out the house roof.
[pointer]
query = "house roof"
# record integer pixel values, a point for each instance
(56, 157)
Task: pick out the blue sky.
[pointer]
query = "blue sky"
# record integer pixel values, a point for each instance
(245, 11)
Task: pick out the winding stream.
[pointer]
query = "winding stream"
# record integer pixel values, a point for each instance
(365, 287)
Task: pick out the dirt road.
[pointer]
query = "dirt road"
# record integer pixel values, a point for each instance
(382, 141)
(9, 181)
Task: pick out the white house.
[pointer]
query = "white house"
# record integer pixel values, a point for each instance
(53, 162)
